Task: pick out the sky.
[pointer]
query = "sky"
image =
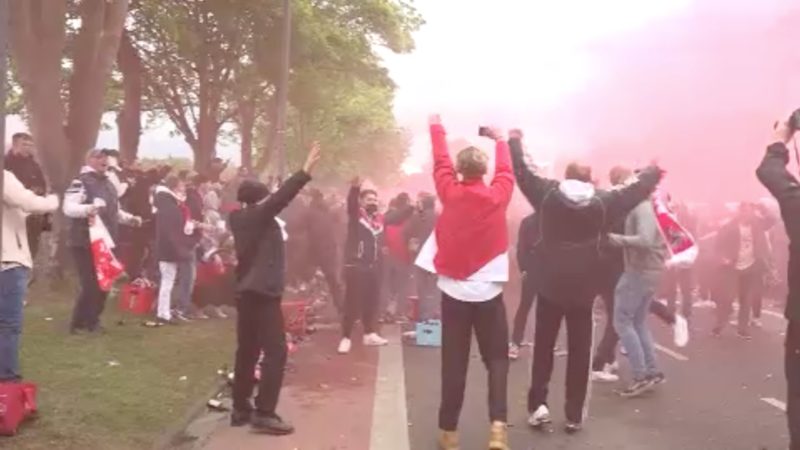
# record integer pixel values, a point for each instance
(689, 82)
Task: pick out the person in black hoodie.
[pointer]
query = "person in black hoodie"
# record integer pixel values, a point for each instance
(786, 189)
(363, 265)
(574, 219)
(526, 243)
(417, 230)
(260, 281)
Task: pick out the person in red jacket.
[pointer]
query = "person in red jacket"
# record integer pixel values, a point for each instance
(469, 252)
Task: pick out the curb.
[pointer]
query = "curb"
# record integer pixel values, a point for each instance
(170, 437)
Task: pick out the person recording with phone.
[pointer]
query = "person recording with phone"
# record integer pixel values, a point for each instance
(774, 175)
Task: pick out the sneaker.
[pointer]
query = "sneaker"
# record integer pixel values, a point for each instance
(163, 321)
(513, 351)
(605, 375)
(498, 436)
(637, 388)
(181, 316)
(613, 367)
(344, 346)
(658, 378)
(681, 331)
(373, 340)
(448, 440)
(745, 336)
(200, 315)
(240, 418)
(573, 427)
(218, 312)
(540, 417)
(271, 424)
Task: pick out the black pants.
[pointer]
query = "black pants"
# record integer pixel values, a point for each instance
(259, 327)
(606, 352)
(488, 319)
(327, 265)
(91, 300)
(33, 226)
(527, 297)
(362, 295)
(680, 280)
(747, 284)
(549, 314)
(793, 382)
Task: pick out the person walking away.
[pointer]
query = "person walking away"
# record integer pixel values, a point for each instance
(91, 195)
(645, 256)
(176, 240)
(260, 277)
(469, 252)
(363, 261)
(574, 217)
(397, 261)
(773, 174)
(16, 263)
(682, 279)
(743, 253)
(526, 242)
(21, 161)
(416, 231)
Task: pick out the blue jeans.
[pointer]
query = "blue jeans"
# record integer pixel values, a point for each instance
(634, 295)
(13, 287)
(187, 273)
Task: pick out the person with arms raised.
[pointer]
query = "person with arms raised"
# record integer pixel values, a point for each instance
(469, 252)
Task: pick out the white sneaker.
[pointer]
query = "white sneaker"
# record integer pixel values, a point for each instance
(373, 340)
(344, 346)
(604, 376)
(681, 329)
(513, 351)
(540, 417)
(613, 367)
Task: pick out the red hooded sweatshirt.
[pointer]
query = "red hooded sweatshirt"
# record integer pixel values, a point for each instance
(472, 230)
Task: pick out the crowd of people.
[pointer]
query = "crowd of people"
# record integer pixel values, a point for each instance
(580, 242)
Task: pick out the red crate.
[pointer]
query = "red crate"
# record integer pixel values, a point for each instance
(137, 299)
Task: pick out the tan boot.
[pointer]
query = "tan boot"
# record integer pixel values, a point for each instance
(448, 440)
(498, 436)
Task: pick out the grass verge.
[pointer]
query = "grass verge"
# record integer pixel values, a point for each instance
(87, 401)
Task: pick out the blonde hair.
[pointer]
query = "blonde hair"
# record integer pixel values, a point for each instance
(471, 163)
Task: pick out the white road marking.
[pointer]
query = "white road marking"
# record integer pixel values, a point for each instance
(773, 313)
(671, 352)
(774, 402)
(389, 411)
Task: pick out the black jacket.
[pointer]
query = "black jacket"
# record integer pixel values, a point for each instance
(785, 188)
(419, 228)
(526, 242)
(729, 241)
(364, 241)
(258, 240)
(569, 258)
(172, 243)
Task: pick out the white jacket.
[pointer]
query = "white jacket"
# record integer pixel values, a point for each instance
(18, 203)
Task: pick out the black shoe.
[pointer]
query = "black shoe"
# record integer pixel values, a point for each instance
(272, 425)
(573, 427)
(716, 332)
(241, 418)
(658, 378)
(637, 388)
(77, 330)
(98, 329)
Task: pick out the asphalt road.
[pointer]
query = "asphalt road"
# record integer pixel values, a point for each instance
(721, 394)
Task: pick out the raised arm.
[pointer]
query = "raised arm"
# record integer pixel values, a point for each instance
(277, 202)
(533, 187)
(772, 173)
(503, 182)
(444, 174)
(353, 208)
(619, 202)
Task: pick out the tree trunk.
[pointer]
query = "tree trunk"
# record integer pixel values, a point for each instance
(129, 118)
(247, 121)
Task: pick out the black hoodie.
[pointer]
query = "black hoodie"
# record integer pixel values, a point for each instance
(574, 219)
(172, 243)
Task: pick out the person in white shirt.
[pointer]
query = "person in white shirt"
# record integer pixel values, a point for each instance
(15, 267)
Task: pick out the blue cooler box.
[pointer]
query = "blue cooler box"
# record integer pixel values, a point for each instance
(429, 333)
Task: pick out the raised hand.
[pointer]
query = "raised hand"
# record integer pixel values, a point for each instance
(314, 155)
(434, 119)
(516, 133)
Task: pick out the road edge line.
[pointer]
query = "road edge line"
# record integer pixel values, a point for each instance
(671, 352)
(389, 429)
(774, 402)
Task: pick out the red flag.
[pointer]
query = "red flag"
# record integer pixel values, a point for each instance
(106, 265)
(682, 247)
